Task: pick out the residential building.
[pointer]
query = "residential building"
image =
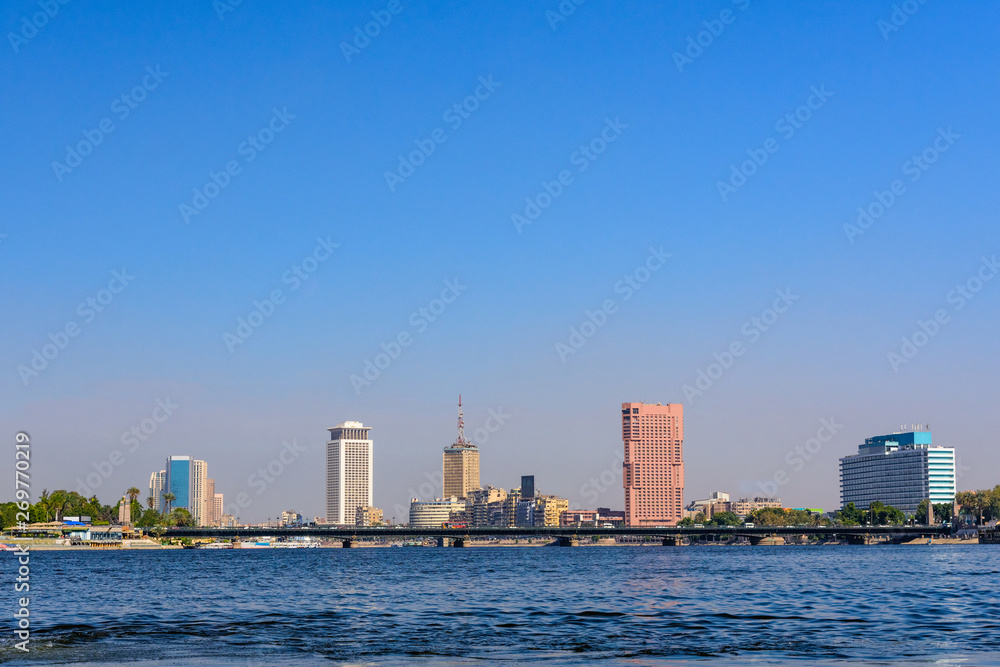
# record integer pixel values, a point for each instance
(745, 506)
(291, 518)
(199, 489)
(217, 509)
(368, 516)
(548, 509)
(460, 463)
(348, 472)
(485, 506)
(525, 513)
(228, 521)
(579, 518)
(434, 513)
(157, 482)
(508, 517)
(900, 469)
(209, 518)
(653, 469)
(718, 502)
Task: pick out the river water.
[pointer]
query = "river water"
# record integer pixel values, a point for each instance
(559, 606)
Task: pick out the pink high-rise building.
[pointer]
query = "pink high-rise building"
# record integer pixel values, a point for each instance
(653, 471)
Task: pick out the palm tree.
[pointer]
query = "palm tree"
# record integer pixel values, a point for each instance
(149, 501)
(132, 493)
(167, 499)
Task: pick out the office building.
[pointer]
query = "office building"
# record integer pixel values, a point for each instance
(157, 482)
(368, 516)
(653, 469)
(548, 509)
(615, 517)
(717, 503)
(348, 472)
(460, 463)
(434, 513)
(900, 469)
(179, 482)
(527, 486)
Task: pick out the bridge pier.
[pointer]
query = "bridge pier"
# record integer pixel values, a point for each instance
(461, 541)
(767, 540)
(350, 543)
(673, 541)
(568, 541)
(442, 541)
(860, 539)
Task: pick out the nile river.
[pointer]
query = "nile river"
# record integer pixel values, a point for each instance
(632, 605)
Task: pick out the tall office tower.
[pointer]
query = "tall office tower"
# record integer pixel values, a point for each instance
(653, 470)
(217, 512)
(527, 486)
(179, 482)
(460, 464)
(157, 482)
(348, 472)
(901, 470)
(209, 502)
(199, 489)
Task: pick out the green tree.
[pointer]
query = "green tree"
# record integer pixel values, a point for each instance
(168, 498)
(181, 517)
(726, 519)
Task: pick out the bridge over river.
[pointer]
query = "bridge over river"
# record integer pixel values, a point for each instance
(569, 535)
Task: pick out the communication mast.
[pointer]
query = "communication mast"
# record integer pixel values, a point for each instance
(461, 441)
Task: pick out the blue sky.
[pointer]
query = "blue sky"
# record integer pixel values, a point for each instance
(889, 95)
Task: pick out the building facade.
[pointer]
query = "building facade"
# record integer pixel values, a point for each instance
(579, 518)
(178, 482)
(209, 519)
(900, 469)
(745, 506)
(434, 513)
(157, 481)
(653, 469)
(485, 506)
(348, 472)
(217, 512)
(527, 486)
(548, 510)
(368, 516)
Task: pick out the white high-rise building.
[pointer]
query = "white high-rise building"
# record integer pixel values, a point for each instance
(348, 472)
(199, 507)
(218, 512)
(157, 481)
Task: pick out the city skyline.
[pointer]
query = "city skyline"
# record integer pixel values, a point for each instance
(748, 224)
